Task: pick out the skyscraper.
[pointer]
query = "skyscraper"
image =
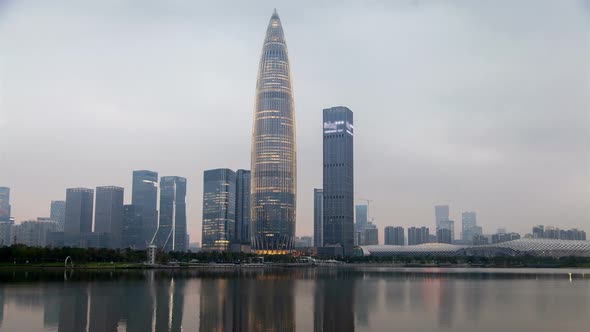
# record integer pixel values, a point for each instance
(448, 225)
(274, 162)
(144, 196)
(469, 226)
(394, 236)
(318, 217)
(338, 178)
(441, 213)
(418, 235)
(109, 214)
(171, 232)
(4, 204)
(79, 206)
(219, 208)
(242, 214)
(132, 236)
(57, 213)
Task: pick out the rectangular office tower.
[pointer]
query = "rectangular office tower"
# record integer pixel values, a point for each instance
(219, 206)
(441, 213)
(144, 197)
(394, 236)
(4, 204)
(57, 213)
(171, 232)
(108, 215)
(79, 206)
(318, 217)
(242, 214)
(131, 236)
(338, 179)
(418, 235)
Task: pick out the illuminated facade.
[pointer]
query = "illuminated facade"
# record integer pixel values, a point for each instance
(274, 163)
(171, 232)
(338, 179)
(219, 208)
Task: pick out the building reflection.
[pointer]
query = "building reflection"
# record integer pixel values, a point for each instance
(334, 303)
(254, 302)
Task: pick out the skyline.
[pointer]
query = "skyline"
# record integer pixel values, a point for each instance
(416, 174)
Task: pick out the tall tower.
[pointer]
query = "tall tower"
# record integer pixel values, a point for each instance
(274, 164)
(219, 208)
(338, 179)
(109, 213)
(79, 206)
(171, 232)
(4, 204)
(318, 218)
(144, 196)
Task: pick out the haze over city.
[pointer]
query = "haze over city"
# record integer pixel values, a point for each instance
(466, 104)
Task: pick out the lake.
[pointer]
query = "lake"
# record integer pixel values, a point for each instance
(297, 299)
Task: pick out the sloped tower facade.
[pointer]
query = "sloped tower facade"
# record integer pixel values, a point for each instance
(273, 185)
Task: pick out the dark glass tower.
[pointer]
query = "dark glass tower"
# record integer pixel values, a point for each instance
(318, 218)
(219, 208)
(144, 196)
(338, 179)
(242, 206)
(132, 233)
(79, 206)
(108, 217)
(57, 213)
(274, 173)
(171, 231)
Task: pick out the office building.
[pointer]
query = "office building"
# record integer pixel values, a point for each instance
(418, 235)
(79, 207)
(303, 242)
(538, 232)
(274, 162)
(394, 236)
(5, 233)
(371, 236)
(441, 213)
(57, 213)
(144, 197)
(219, 206)
(171, 232)
(109, 213)
(362, 217)
(4, 204)
(447, 224)
(318, 217)
(468, 221)
(131, 235)
(338, 178)
(242, 214)
(444, 235)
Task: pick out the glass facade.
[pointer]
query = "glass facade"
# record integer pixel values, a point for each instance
(242, 206)
(57, 213)
(171, 232)
(144, 196)
(338, 178)
(79, 206)
(318, 217)
(274, 173)
(219, 207)
(109, 214)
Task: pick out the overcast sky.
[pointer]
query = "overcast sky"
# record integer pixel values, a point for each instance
(482, 105)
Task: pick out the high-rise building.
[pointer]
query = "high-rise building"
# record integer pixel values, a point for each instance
(418, 235)
(274, 162)
(109, 213)
(318, 217)
(338, 178)
(33, 233)
(219, 208)
(144, 196)
(447, 224)
(79, 206)
(242, 214)
(441, 213)
(4, 204)
(5, 233)
(444, 235)
(371, 236)
(394, 236)
(57, 213)
(362, 217)
(468, 221)
(131, 236)
(171, 232)
(538, 232)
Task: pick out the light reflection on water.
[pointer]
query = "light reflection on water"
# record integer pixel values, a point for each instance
(340, 299)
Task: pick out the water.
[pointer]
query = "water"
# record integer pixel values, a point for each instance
(320, 299)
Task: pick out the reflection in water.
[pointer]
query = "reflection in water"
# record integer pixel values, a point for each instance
(343, 300)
